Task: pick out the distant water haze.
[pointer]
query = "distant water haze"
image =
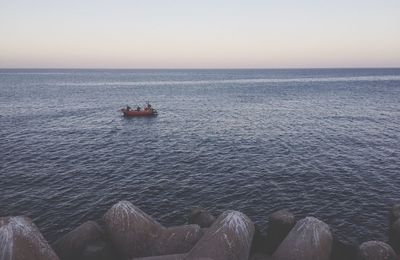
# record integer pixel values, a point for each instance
(199, 34)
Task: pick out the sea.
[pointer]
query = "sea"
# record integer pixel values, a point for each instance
(317, 142)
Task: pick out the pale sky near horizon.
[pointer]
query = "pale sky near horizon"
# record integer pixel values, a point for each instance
(199, 34)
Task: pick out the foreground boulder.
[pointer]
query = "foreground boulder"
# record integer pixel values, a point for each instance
(229, 238)
(163, 257)
(376, 250)
(343, 250)
(309, 239)
(84, 242)
(258, 243)
(280, 224)
(133, 233)
(201, 217)
(394, 213)
(20, 239)
(394, 236)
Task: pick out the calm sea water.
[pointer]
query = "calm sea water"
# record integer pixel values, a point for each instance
(324, 143)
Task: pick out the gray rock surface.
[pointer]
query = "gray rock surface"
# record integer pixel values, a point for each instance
(394, 213)
(309, 239)
(162, 257)
(229, 238)
(343, 250)
(133, 233)
(72, 245)
(201, 217)
(20, 239)
(376, 250)
(394, 236)
(280, 224)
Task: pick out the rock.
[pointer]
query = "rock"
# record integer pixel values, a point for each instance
(178, 239)
(259, 256)
(394, 213)
(162, 257)
(394, 236)
(73, 244)
(342, 250)
(201, 217)
(280, 224)
(259, 242)
(20, 239)
(133, 233)
(229, 238)
(376, 250)
(309, 239)
(98, 250)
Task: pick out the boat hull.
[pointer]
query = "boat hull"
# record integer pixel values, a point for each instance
(133, 113)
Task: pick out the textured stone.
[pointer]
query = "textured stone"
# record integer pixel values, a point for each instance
(394, 236)
(162, 257)
(20, 239)
(376, 250)
(135, 234)
(201, 217)
(309, 239)
(72, 245)
(280, 224)
(394, 213)
(259, 241)
(342, 250)
(229, 238)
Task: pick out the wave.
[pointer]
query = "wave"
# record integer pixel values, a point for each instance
(233, 81)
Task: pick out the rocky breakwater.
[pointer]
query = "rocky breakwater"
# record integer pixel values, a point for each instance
(126, 233)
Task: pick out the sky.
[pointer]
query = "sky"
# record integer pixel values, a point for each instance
(199, 33)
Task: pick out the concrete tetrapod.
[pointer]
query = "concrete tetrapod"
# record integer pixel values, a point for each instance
(229, 238)
(133, 233)
(394, 213)
(279, 226)
(201, 217)
(20, 239)
(73, 245)
(376, 250)
(309, 239)
(394, 236)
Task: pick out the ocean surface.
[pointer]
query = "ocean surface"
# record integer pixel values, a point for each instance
(318, 142)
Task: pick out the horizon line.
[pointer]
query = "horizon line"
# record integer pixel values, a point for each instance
(195, 68)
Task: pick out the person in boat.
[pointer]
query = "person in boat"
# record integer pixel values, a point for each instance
(148, 107)
(128, 108)
(138, 108)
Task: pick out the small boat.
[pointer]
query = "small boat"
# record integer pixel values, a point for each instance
(147, 111)
(151, 112)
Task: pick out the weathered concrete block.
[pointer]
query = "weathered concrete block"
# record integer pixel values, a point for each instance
(280, 224)
(135, 234)
(394, 213)
(229, 238)
(259, 242)
(309, 239)
(98, 250)
(259, 256)
(20, 239)
(394, 236)
(201, 217)
(72, 245)
(376, 250)
(162, 257)
(343, 250)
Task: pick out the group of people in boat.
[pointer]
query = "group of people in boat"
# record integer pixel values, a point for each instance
(138, 108)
